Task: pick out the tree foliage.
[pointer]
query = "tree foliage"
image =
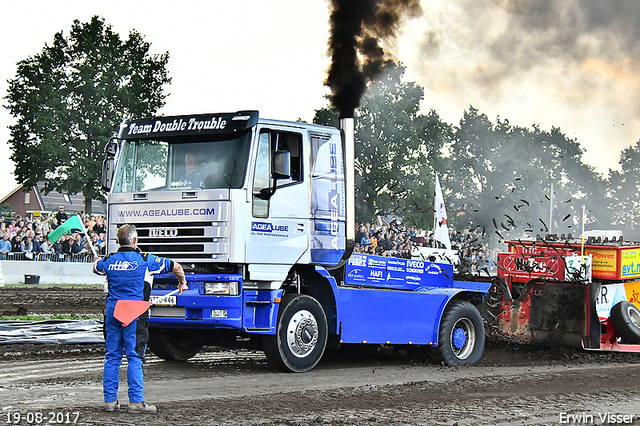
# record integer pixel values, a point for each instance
(5, 209)
(496, 177)
(500, 179)
(396, 148)
(69, 99)
(624, 187)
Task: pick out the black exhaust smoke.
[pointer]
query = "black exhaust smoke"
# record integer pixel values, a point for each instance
(357, 29)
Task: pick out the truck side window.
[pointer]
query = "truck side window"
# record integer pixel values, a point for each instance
(262, 176)
(291, 142)
(269, 142)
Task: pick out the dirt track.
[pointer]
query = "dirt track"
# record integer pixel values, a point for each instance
(512, 385)
(34, 299)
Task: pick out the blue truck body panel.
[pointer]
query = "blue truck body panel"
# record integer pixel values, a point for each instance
(254, 311)
(396, 273)
(384, 300)
(396, 301)
(396, 317)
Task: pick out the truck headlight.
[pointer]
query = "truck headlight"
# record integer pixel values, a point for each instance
(228, 288)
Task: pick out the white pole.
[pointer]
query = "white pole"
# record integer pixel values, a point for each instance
(435, 208)
(86, 235)
(582, 244)
(551, 211)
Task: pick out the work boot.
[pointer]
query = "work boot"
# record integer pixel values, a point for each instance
(111, 406)
(141, 407)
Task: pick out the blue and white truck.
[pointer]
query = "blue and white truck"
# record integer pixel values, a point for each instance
(261, 214)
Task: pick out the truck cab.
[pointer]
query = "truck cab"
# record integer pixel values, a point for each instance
(214, 191)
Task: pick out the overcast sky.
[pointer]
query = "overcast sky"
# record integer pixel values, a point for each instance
(571, 64)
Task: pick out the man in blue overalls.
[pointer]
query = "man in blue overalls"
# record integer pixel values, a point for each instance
(128, 274)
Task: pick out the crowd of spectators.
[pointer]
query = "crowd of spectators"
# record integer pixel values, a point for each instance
(393, 239)
(396, 240)
(474, 256)
(24, 238)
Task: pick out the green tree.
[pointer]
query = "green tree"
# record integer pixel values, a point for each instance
(501, 177)
(624, 187)
(69, 99)
(5, 209)
(397, 149)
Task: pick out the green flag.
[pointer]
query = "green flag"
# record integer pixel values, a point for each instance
(73, 222)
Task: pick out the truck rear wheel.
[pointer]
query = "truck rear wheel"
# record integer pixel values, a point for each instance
(626, 319)
(301, 334)
(461, 339)
(173, 345)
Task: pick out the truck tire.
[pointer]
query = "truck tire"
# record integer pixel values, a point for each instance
(301, 334)
(626, 319)
(173, 345)
(461, 339)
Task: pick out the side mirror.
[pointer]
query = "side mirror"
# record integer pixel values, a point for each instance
(109, 164)
(281, 165)
(281, 169)
(108, 167)
(111, 149)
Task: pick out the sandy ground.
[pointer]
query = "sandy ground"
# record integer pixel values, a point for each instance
(512, 385)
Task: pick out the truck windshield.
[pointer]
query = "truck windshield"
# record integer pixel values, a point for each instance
(153, 165)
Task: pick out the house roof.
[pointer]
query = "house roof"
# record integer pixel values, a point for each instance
(6, 197)
(54, 199)
(75, 202)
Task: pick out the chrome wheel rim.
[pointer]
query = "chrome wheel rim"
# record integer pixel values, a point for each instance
(302, 333)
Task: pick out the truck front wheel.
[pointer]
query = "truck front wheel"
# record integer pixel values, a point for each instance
(461, 334)
(626, 318)
(301, 334)
(173, 345)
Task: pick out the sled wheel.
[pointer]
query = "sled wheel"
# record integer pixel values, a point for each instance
(301, 334)
(626, 319)
(461, 334)
(173, 345)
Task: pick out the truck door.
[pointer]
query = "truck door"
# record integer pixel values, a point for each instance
(279, 222)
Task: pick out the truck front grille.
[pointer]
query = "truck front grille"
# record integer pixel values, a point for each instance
(185, 241)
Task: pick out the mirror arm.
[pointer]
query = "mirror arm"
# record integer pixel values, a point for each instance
(266, 193)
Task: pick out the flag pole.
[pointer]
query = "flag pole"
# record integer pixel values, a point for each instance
(86, 235)
(551, 210)
(582, 244)
(435, 208)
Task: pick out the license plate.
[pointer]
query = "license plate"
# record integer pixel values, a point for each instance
(163, 300)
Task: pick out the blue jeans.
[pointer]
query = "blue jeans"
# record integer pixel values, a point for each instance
(132, 341)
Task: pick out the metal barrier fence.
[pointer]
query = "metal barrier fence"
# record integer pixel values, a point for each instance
(48, 257)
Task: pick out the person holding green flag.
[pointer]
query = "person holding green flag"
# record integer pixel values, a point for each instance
(74, 222)
(128, 271)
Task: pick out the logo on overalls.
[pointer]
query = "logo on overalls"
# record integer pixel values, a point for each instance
(123, 265)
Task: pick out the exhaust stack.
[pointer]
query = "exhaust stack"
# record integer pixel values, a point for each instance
(347, 133)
